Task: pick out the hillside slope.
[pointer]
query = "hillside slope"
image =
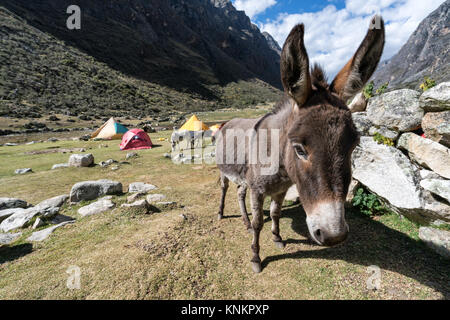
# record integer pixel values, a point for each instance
(135, 57)
(426, 53)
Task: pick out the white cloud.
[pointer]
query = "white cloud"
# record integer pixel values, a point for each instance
(332, 36)
(254, 7)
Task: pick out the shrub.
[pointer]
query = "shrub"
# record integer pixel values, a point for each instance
(380, 139)
(382, 89)
(427, 84)
(368, 203)
(368, 90)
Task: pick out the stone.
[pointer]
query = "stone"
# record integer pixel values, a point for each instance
(107, 163)
(9, 203)
(396, 110)
(385, 132)
(428, 174)
(439, 187)
(97, 207)
(19, 219)
(139, 204)
(436, 98)
(387, 172)
(426, 153)
(23, 171)
(60, 218)
(135, 196)
(292, 194)
(9, 212)
(131, 155)
(155, 197)
(60, 166)
(10, 144)
(38, 223)
(53, 139)
(44, 234)
(436, 126)
(115, 168)
(362, 122)
(167, 205)
(90, 190)
(81, 160)
(358, 104)
(438, 240)
(55, 202)
(167, 155)
(353, 187)
(141, 187)
(7, 238)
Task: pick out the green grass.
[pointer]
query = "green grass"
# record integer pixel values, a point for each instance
(125, 255)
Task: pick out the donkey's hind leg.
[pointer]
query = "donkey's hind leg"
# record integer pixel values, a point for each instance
(242, 192)
(275, 214)
(224, 184)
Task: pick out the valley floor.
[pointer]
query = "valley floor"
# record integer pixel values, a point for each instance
(168, 256)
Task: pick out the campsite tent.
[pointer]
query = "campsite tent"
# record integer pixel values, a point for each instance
(110, 130)
(136, 139)
(215, 128)
(193, 124)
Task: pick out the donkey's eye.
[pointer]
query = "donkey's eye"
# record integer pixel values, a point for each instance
(300, 151)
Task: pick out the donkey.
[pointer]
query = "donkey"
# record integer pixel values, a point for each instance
(314, 140)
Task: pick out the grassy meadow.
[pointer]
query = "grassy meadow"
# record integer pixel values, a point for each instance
(185, 253)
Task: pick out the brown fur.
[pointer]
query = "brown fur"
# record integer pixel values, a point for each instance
(316, 140)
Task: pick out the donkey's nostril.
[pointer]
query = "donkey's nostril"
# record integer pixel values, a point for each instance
(317, 233)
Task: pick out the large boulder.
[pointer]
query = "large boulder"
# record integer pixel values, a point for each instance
(438, 187)
(436, 98)
(427, 153)
(292, 194)
(81, 160)
(90, 190)
(8, 203)
(387, 172)
(436, 126)
(55, 202)
(397, 110)
(438, 240)
(19, 219)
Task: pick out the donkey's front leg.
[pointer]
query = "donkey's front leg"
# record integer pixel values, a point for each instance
(275, 213)
(257, 201)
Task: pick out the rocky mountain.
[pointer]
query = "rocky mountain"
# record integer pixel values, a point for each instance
(426, 53)
(152, 54)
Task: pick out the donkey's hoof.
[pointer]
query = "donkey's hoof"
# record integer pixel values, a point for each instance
(280, 244)
(250, 230)
(256, 266)
(219, 216)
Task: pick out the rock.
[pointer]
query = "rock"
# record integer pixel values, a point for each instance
(90, 190)
(141, 187)
(427, 153)
(139, 204)
(53, 139)
(436, 98)
(362, 122)
(135, 196)
(439, 187)
(44, 234)
(60, 218)
(55, 202)
(436, 126)
(292, 194)
(438, 240)
(353, 187)
(385, 132)
(7, 238)
(60, 166)
(97, 207)
(396, 110)
(132, 155)
(38, 223)
(115, 168)
(81, 160)
(107, 163)
(9, 212)
(23, 171)
(359, 103)
(9, 144)
(19, 219)
(387, 172)
(428, 174)
(155, 197)
(85, 137)
(167, 155)
(167, 205)
(8, 203)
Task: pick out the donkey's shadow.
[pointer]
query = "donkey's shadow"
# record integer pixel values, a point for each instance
(372, 243)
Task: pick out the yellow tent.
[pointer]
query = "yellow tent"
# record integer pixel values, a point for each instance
(110, 130)
(193, 124)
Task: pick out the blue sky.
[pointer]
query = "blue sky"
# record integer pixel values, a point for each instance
(335, 28)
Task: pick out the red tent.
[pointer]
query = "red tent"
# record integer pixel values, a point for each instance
(135, 139)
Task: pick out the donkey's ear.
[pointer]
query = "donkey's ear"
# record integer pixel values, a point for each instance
(295, 66)
(360, 68)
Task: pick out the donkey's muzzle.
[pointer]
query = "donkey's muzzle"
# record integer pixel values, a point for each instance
(328, 239)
